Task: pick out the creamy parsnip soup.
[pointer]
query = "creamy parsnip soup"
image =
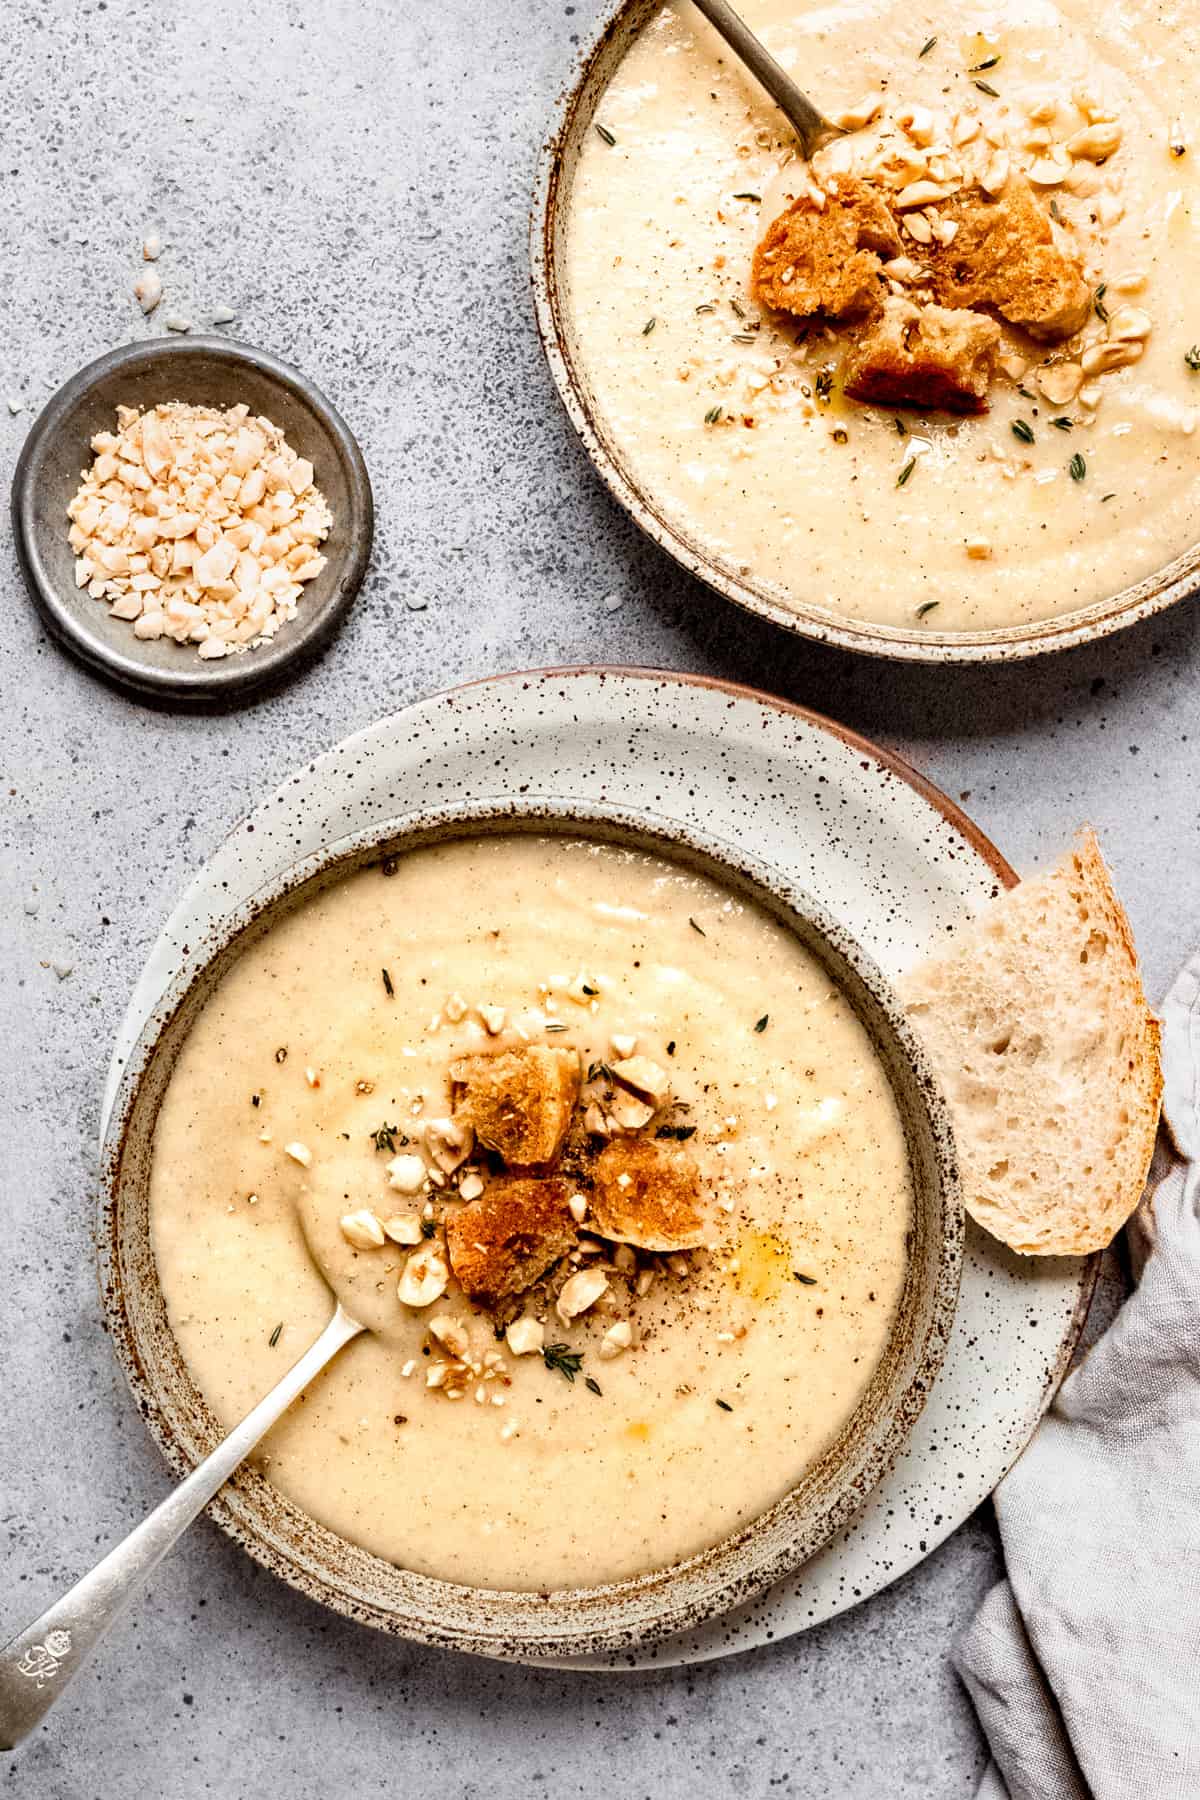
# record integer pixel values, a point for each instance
(958, 387)
(601, 1157)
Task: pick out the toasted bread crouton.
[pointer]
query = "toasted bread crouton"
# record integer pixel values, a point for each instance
(925, 356)
(827, 261)
(501, 1244)
(1003, 255)
(647, 1193)
(519, 1101)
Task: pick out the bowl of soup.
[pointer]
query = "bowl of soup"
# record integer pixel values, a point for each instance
(1060, 505)
(626, 1157)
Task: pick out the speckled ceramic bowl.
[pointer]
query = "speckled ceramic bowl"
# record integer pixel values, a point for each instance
(575, 1621)
(208, 371)
(620, 23)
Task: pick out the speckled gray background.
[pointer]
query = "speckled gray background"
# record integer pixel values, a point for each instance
(352, 176)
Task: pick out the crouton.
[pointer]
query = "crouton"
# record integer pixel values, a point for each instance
(647, 1193)
(519, 1101)
(1003, 255)
(923, 356)
(501, 1244)
(827, 261)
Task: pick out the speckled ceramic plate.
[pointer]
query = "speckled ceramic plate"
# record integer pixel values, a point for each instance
(620, 22)
(887, 858)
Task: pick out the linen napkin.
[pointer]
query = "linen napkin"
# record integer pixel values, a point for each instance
(1084, 1665)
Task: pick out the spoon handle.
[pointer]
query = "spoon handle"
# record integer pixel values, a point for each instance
(44, 1658)
(812, 128)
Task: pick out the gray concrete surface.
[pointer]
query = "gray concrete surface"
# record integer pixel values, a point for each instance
(352, 176)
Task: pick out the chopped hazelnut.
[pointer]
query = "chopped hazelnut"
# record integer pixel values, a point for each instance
(525, 1336)
(426, 1275)
(406, 1174)
(362, 1229)
(616, 1339)
(579, 1293)
(451, 1334)
(403, 1228)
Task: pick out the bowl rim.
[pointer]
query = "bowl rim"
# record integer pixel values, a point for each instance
(520, 1624)
(234, 677)
(571, 116)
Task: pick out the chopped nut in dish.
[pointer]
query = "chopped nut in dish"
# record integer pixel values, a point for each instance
(197, 525)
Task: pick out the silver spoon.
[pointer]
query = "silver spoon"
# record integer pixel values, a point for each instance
(811, 127)
(44, 1658)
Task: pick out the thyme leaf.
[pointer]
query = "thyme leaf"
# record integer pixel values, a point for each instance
(804, 1280)
(602, 131)
(1098, 306)
(927, 46)
(724, 1406)
(388, 989)
(385, 1138)
(1021, 429)
(712, 415)
(274, 1337)
(985, 87)
(648, 327)
(696, 927)
(566, 1361)
(592, 1385)
(1063, 424)
(1192, 358)
(927, 606)
(763, 1022)
(906, 471)
(1077, 467)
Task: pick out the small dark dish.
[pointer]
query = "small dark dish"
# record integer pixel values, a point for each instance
(208, 371)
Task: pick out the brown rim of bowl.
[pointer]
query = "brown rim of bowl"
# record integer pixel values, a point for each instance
(620, 22)
(577, 1621)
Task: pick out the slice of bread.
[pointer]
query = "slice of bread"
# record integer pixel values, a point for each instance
(1039, 1029)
